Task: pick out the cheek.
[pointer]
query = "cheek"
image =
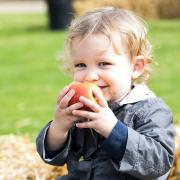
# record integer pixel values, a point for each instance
(122, 80)
(77, 76)
(127, 73)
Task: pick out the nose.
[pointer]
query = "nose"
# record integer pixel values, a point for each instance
(91, 76)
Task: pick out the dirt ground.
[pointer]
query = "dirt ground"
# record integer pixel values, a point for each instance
(22, 6)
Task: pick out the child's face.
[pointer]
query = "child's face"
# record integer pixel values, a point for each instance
(95, 60)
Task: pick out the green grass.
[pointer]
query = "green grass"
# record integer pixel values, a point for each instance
(30, 78)
(165, 37)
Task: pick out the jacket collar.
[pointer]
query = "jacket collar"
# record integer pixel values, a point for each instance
(138, 93)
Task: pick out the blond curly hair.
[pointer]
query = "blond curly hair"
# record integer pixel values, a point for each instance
(108, 21)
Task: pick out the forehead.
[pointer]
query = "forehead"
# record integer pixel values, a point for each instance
(96, 43)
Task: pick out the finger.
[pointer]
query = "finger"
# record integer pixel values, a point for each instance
(62, 94)
(74, 107)
(84, 114)
(101, 100)
(65, 100)
(86, 124)
(89, 103)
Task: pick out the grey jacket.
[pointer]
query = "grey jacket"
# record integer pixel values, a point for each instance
(148, 152)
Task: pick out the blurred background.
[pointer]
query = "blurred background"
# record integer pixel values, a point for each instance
(32, 35)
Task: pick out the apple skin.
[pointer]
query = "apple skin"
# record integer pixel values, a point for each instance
(86, 90)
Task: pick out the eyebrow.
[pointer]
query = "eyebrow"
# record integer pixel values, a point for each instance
(77, 60)
(100, 53)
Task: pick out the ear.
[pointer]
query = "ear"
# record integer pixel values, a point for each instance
(138, 66)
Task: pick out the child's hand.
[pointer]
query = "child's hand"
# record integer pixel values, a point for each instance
(63, 117)
(101, 119)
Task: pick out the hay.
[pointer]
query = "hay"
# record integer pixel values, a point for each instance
(19, 160)
(175, 170)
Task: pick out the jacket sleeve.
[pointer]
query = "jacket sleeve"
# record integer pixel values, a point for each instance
(57, 158)
(115, 143)
(150, 143)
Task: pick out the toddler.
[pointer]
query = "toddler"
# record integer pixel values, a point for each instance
(129, 133)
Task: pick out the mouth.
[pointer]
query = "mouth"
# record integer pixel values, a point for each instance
(103, 87)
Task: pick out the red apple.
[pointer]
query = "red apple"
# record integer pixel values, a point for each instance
(86, 90)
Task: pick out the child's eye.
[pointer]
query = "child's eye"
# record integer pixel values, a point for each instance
(104, 63)
(80, 65)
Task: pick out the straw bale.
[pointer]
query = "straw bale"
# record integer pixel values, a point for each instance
(142, 8)
(19, 160)
(175, 170)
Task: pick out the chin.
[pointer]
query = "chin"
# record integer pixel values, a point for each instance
(107, 96)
